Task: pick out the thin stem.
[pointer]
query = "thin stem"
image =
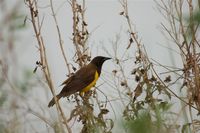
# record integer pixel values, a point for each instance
(60, 37)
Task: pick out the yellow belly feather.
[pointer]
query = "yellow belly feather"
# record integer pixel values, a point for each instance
(96, 76)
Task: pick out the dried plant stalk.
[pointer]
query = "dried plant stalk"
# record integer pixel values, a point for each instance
(32, 4)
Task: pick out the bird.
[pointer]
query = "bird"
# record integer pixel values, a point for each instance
(83, 80)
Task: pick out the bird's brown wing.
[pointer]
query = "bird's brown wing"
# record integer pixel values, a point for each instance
(67, 81)
(81, 79)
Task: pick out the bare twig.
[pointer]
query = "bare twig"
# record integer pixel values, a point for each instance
(36, 26)
(60, 37)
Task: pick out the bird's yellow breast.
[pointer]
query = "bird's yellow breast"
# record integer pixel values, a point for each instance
(96, 76)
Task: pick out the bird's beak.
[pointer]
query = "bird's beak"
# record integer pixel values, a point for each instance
(107, 58)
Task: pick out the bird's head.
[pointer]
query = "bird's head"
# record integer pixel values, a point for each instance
(99, 60)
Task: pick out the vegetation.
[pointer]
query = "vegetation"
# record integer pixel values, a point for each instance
(144, 95)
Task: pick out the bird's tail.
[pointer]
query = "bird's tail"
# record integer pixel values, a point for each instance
(52, 102)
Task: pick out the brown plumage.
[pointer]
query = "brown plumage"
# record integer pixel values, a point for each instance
(82, 80)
